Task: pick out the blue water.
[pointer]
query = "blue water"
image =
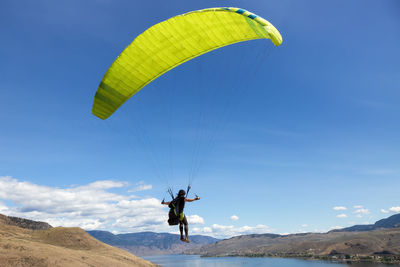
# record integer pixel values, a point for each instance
(197, 261)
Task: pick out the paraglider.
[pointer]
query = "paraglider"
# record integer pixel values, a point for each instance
(176, 214)
(170, 43)
(166, 45)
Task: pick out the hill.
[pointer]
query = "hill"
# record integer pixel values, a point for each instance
(377, 242)
(391, 222)
(380, 243)
(150, 243)
(22, 244)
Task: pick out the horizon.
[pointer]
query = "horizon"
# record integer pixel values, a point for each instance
(299, 137)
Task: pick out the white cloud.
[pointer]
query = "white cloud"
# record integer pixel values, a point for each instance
(92, 206)
(362, 211)
(195, 219)
(339, 208)
(89, 206)
(384, 211)
(141, 186)
(207, 230)
(304, 225)
(234, 218)
(395, 209)
(3, 208)
(335, 227)
(226, 231)
(341, 215)
(358, 206)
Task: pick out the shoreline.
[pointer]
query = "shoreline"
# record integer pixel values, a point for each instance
(394, 259)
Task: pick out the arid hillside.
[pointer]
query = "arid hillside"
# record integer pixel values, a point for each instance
(377, 245)
(375, 242)
(57, 246)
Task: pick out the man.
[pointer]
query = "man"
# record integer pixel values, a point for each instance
(177, 205)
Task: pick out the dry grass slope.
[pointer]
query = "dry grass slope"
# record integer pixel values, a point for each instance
(59, 247)
(384, 242)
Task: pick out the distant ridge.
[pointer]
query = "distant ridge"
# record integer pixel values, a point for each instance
(150, 243)
(390, 222)
(24, 223)
(378, 242)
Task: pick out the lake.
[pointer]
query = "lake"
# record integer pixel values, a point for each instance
(197, 261)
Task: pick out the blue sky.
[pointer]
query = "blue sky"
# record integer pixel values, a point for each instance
(288, 134)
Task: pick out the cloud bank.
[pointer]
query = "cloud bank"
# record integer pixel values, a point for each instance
(94, 207)
(225, 231)
(89, 206)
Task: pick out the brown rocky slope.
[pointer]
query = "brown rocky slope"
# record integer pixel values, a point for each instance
(376, 245)
(59, 246)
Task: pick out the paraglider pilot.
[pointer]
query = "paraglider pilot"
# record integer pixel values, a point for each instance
(176, 214)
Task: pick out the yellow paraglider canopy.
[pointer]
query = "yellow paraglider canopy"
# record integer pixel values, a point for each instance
(173, 42)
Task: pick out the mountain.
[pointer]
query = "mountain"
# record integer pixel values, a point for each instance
(29, 243)
(150, 243)
(381, 242)
(391, 222)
